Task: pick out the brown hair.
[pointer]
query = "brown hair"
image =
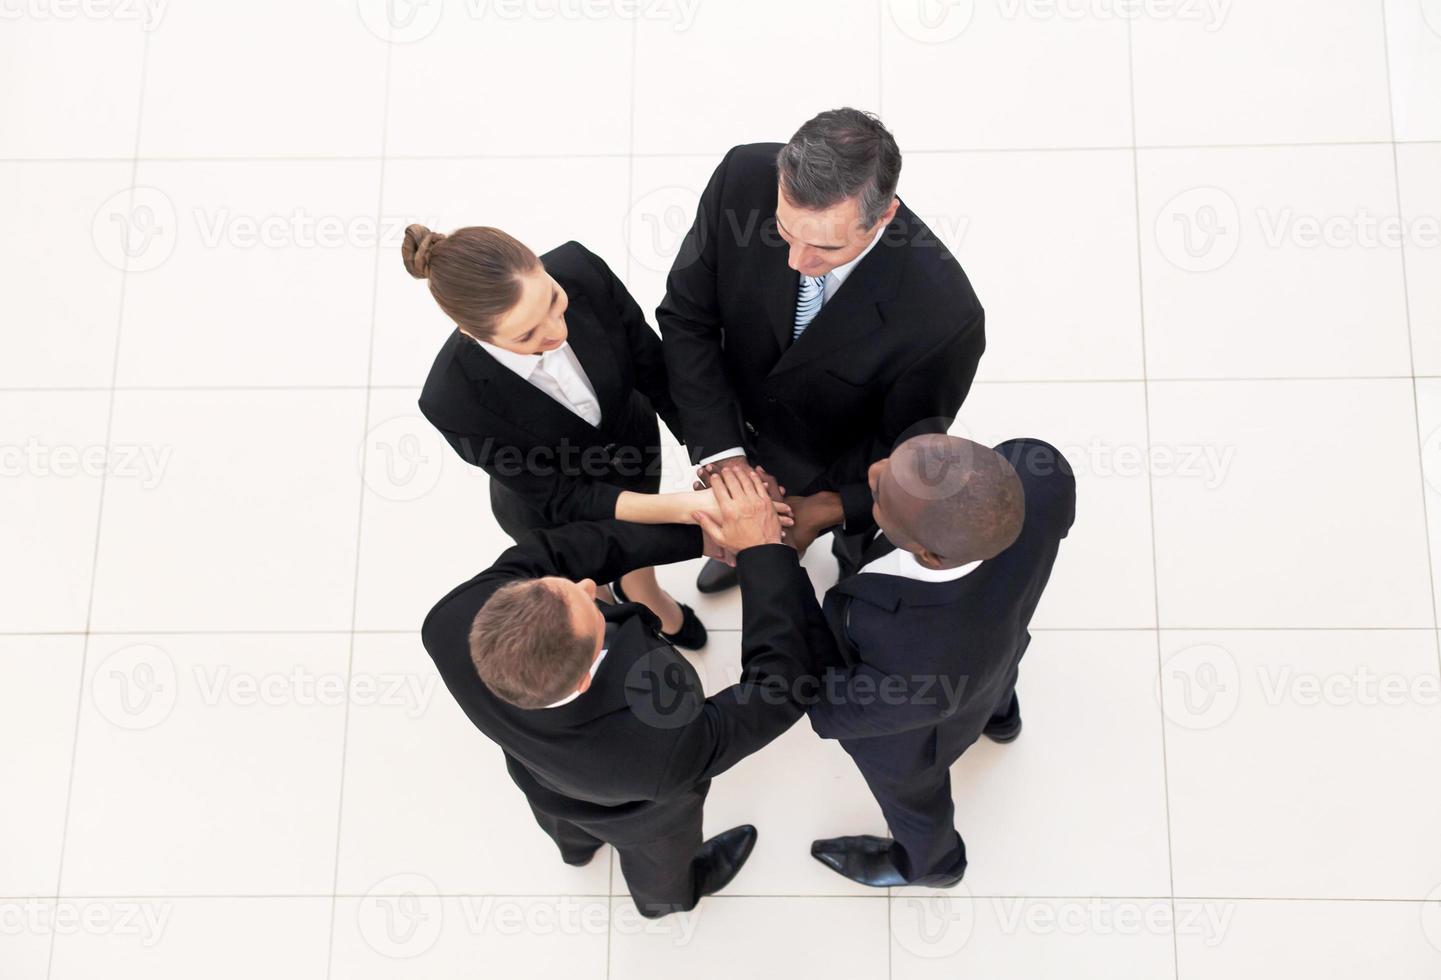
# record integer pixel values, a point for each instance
(474, 273)
(524, 645)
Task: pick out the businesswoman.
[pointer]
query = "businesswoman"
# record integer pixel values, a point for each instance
(551, 383)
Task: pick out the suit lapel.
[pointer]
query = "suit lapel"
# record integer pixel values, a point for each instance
(507, 395)
(592, 348)
(853, 312)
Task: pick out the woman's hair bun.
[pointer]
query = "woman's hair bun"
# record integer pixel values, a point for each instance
(415, 250)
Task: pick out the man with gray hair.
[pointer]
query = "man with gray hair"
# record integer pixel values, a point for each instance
(811, 321)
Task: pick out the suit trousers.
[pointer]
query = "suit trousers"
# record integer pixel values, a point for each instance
(920, 811)
(657, 848)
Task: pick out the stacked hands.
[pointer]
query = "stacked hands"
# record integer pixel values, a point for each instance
(806, 518)
(747, 509)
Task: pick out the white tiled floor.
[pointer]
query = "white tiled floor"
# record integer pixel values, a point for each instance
(1208, 236)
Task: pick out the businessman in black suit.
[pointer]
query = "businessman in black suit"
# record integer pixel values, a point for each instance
(932, 630)
(811, 321)
(604, 726)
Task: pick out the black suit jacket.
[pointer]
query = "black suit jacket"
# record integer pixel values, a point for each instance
(559, 466)
(929, 662)
(891, 354)
(643, 734)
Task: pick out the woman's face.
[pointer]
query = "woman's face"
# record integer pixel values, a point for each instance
(536, 323)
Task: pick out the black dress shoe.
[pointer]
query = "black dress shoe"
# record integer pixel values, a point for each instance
(1006, 730)
(715, 864)
(1002, 734)
(867, 859)
(716, 576)
(692, 633)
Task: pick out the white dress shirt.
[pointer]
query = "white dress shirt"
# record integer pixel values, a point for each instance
(834, 278)
(906, 565)
(557, 373)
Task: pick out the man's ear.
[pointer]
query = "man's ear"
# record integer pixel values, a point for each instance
(890, 212)
(930, 559)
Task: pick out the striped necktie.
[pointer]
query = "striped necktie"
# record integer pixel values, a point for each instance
(808, 304)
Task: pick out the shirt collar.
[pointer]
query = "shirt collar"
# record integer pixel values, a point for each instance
(906, 565)
(522, 364)
(594, 666)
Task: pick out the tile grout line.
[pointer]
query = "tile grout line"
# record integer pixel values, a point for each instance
(1151, 489)
(880, 111)
(706, 152)
(984, 382)
(100, 503)
(360, 510)
(629, 254)
(1410, 334)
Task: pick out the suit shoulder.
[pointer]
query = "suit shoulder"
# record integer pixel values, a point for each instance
(1047, 478)
(572, 261)
(936, 274)
(446, 386)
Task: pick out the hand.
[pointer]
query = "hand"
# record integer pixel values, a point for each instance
(712, 548)
(706, 472)
(813, 515)
(748, 515)
(705, 501)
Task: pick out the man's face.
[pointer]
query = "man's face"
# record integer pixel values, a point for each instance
(821, 240)
(585, 615)
(890, 502)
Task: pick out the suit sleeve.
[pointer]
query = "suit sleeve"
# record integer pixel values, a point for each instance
(602, 551)
(925, 398)
(646, 357)
(689, 319)
(863, 702)
(560, 497)
(779, 661)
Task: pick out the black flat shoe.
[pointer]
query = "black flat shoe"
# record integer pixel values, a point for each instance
(716, 865)
(867, 860)
(692, 633)
(716, 576)
(579, 859)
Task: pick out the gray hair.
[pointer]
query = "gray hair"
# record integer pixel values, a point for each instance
(840, 154)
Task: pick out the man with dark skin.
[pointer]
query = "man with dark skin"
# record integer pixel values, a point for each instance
(932, 630)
